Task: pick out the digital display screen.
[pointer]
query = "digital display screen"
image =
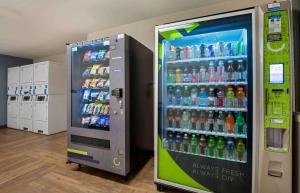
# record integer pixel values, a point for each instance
(276, 74)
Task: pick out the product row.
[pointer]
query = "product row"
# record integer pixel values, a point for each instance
(95, 109)
(96, 70)
(102, 121)
(95, 56)
(96, 83)
(219, 49)
(219, 147)
(213, 73)
(90, 95)
(208, 121)
(207, 97)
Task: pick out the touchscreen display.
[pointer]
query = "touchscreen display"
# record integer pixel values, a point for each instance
(276, 74)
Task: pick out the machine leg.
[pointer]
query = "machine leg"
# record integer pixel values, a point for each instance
(160, 188)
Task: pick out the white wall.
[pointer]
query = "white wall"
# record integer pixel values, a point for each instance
(59, 58)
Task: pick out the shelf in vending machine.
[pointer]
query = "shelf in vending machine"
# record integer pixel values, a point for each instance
(203, 155)
(208, 84)
(208, 108)
(207, 59)
(204, 132)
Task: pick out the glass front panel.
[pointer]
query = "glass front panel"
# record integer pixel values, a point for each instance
(90, 86)
(205, 102)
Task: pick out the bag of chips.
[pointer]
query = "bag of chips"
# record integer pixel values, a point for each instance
(86, 83)
(94, 83)
(95, 69)
(86, 72)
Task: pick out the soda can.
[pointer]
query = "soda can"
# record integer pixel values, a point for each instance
(181, 57)
(202, 50)
(238, 48)
(211, 50)
(186, 52)
(196, 51)
(191, 52)
(177, 53)
(220, 48)
(172, 54)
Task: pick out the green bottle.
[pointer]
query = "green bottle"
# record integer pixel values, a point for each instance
(194, 143)
(221, 147)
(240, 149)
(211, 144)
(240, 122)
(230, 97)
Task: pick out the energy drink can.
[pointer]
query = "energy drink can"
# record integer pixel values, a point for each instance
(186, 52)
(202, 50)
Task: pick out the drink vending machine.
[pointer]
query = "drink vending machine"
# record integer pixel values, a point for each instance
(211, 134)
(110, 105)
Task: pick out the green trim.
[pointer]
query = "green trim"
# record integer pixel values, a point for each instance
(191, 27)
(172, 34)
(160, 51)
(77, 151)
(169, 170)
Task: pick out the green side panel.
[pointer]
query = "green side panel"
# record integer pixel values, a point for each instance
(160, 51)
(171, 34)
(77, 151)
(277, 105)
(169, 170)
(192, 27)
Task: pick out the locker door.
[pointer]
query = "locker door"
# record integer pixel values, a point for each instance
(13, 76)
(26, 110)
(41, 112)
(26, 74)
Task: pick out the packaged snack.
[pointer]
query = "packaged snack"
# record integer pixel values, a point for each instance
(94, 95)
(101, 83)
(107, 55)
(101, 71)
(85, 120)
(86, 83)
(86, 72)
(90, 108)
(87, 56)
(95, 69)
(107, 121)
(106, 110)
(107, 84)
(84, 109)
(101, 97)
(101, 121)
(94, 120)
(94, 83)
(86, 94)
(106, 71)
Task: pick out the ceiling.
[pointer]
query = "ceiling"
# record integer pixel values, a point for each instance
(38, 28)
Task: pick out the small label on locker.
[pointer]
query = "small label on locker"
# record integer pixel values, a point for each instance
(277, 121)
(74, 49)
(120, 36)
(106, 43)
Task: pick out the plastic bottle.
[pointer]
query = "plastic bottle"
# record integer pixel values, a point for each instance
(171, 95)
(211, 71)
(202, 144)
(178, 142)
(220, 97)
(240, 149)
(221, 121)
(230, 123)
(194, 96)
(202, 120)
(230, 71)
(240, 95)
(186, 96)
(170, 118)
(239, 75)
(202, 97)
(221, 147)
(185, 75)
(230, 97)
(171, 141)
(194, 143)
(230, 148)
(194, 75)
(178, 96)
(240, 122)
(210, 120)
(185, 119)
(211, 97)
(171, 76)
(211, 144)
(193, 119)
(202, 73)
(185, 143)
(178, 75)
(178, 118)
(220, 71)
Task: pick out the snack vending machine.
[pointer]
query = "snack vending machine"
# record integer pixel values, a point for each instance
(110, 105)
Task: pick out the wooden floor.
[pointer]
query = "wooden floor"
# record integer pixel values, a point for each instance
(33, 163)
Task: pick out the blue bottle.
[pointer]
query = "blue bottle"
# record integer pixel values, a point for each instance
(202, 97)
(230, 148)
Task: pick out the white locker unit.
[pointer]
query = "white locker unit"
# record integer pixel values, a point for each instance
(49, 108)
(13, 100)
(26, 107)
(26, 74)
(50, 76)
